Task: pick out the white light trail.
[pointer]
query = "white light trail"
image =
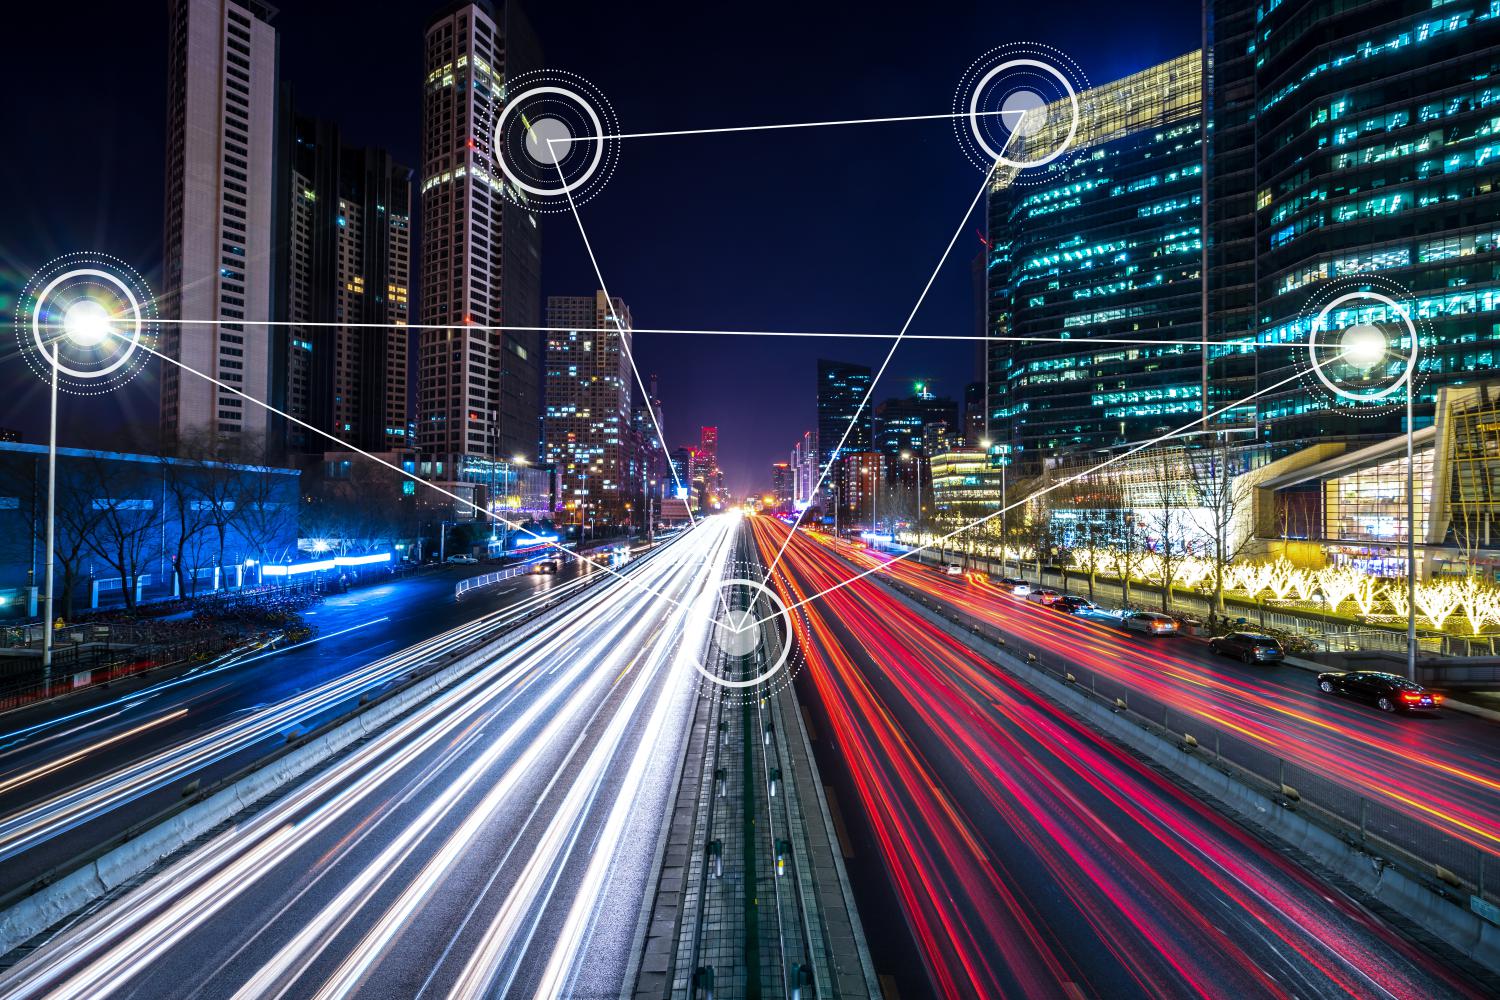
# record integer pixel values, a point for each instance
(516, 704)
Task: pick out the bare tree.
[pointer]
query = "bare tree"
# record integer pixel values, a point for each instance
(74, 519)
(126, 535)
(267, 512)
(1217, 490)
(1167, 515)
(184, 508)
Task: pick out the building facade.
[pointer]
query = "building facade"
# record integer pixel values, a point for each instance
(587, 429)
(142, 524)
(1359, 142)
(902, 427)
(843, 415)
(348, 281)
(479, 386)
(219, 252)
(1106, 248)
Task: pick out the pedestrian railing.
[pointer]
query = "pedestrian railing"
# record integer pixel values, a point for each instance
(490, 579)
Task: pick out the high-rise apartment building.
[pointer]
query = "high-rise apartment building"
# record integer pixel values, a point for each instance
(708, 445)
(219, 251)
(479, 387)
(1106, 245)
(781, 484)
(587, 427)
(348, 261)
(1351, 142)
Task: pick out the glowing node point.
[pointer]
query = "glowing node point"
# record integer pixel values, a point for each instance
(1024, 112)
(1361, 348)
(1364, 346)
(737, 633)
(548, 141)
(741, 631)
(87, 323)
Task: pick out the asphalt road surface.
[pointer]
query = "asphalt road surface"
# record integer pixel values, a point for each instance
(77, 770)
(496, 841)
(1029, 856)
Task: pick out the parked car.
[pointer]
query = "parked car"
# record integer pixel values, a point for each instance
(1073, 605)
(463, 560)
(1011, 585)
(1151, 623)
(1389, 692)
(953, 569)
(1044, 595)
(1251, 647)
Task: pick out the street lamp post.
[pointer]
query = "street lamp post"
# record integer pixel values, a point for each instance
(1411, 541)
(48, 614)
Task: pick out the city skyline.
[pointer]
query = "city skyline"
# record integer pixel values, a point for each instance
(683, 501)
(388, 115)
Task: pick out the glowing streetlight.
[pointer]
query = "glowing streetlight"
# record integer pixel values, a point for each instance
(87, 323)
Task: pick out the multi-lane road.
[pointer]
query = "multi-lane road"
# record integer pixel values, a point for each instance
(76, 771)
(497, 840)
(1440, 772)
(1030, 856)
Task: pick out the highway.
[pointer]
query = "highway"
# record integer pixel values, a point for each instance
(1027, 855)
(78, 770)
(498, 839)
(1439, 771)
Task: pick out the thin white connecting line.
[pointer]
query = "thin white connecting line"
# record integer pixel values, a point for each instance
(619, 329)
(776, 128)
(1196, 345)
(344, 445)
(833, 456)
(629, 356)
(1180, 431)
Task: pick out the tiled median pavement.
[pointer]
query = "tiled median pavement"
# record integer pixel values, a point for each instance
(698, 919)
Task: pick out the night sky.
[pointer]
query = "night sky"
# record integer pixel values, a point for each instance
(832, 229)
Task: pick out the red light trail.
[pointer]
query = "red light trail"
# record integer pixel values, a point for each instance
(1032, 857)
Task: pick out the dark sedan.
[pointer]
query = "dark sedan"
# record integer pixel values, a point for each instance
(1389, 692)
(1248, 646)
(1073, 605)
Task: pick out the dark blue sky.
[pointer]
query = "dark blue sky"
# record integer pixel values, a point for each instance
(832, 229)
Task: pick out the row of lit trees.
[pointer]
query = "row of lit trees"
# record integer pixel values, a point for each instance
(1177, 518)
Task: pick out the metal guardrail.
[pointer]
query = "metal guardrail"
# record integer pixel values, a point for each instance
(1365, 822)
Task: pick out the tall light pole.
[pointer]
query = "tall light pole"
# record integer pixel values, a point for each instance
(87, 324)
(47, 614)
(917, 469)
(1411, 536)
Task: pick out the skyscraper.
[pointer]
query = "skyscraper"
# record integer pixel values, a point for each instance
(348, 261)
(479, 388)
(219, 255)
(781, 484)
(587, 428)
(805, 468)
(1108, 244)
(842, 387)
(1372, 155)
(901, 425)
